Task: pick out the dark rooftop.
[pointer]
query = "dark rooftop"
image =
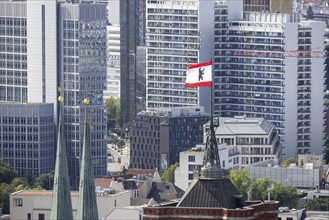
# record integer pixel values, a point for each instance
(212, 193)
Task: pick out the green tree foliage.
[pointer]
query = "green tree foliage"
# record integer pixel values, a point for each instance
(289, 161)
(326, 150)
(258, 188)
(309, 13)
(168, 175)
(241, 180)
(318, 204)
(5, 191)
(286, 195)
(113, 112)
(44, 181)
(7, 173)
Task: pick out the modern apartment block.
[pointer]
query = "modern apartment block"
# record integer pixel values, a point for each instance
(157, 136)
(253, 139)
(178, 33)
(113, 62)
(28, 53)
(241, 142)
(27, 137)
(82, 46)
(271, 66)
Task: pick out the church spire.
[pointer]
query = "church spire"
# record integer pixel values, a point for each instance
(61, 207)
(87, 205)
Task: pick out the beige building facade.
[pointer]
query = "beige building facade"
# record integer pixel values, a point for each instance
(36, 204)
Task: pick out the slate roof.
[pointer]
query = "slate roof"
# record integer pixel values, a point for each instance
(211, 193)
(242, 125)
(163, 192)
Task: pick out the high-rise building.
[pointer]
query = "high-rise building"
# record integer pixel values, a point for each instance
(113, 62)
(82, 53)
(157, 137)
(271, 66)
(27, 137)
(128, 45)
(178, 33)
(28, 58)
(28, 84)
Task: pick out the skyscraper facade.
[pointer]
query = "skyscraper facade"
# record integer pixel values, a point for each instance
(28, 58)
(113, 62)
(27, 137)
(272, 66)
(178, 33)
(82, 46)
(28, 85)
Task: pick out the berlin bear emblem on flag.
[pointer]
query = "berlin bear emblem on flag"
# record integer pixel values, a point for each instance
(199, 74)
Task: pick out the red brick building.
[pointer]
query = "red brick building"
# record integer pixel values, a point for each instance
(260, 211)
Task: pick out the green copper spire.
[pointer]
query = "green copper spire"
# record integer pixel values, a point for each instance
(87, 205)
(61, 207)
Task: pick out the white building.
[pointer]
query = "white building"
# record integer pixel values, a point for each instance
(178, 33)
(253, 139)
(113, 62)
(192, 160)
(36, 204)
(241, 142)
(271, 66)
(28, 52)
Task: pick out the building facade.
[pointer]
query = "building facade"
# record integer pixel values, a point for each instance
(27, 139)
(34, 204)
(28, 58)
(254, 139)
(272, 66)
(268, 5)
(82, 46)
(157, 137)
(178, 33)
(113, 62)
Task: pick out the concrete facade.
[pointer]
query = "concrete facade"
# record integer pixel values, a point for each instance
(271, 66)
(28, 58)
(157, 137)
(27, 137)
(178, 33)
(36, 205)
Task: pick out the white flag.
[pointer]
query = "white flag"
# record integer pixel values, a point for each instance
(199, 75)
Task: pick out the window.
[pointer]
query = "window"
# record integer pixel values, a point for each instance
(41, 216)
(190, 176)
(18, 202)
(191, 158)
(29, 216)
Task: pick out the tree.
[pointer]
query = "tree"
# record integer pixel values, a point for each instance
(326, 150)
(44, 181)
(309, 13)
(289, 161)
(241, 181)
(5, 191)
(113, 112)
(318, 204)
(168, 175)
(286, 195)
(7, 173)
(259, 188)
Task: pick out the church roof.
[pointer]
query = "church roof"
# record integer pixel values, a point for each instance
(87, 205)
(212, 193)
(61, 207)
